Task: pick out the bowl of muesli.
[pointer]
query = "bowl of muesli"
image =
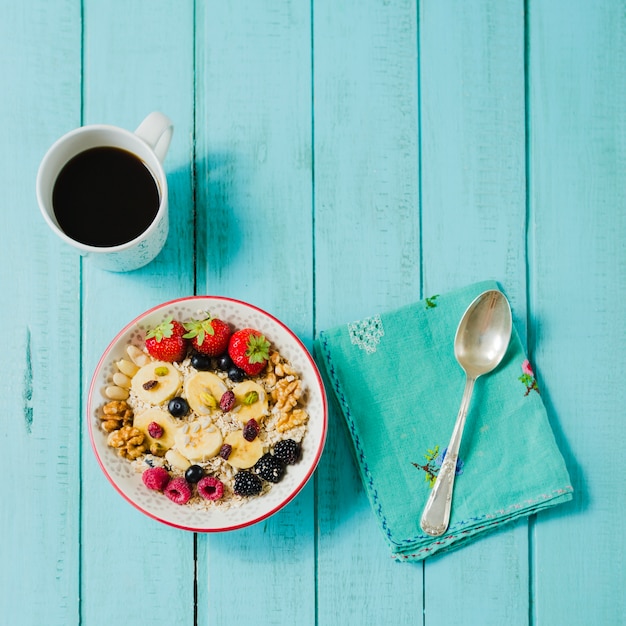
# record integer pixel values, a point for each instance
(207, 414)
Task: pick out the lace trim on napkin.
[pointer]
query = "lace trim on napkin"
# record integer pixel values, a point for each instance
(367, 333)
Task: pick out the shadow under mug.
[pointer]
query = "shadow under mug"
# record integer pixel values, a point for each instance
(149, 143)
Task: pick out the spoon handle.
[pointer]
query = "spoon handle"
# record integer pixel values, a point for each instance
(436, 515)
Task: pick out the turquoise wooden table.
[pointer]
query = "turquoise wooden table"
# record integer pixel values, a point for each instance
(330, 160)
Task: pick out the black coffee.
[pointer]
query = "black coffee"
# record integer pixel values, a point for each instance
(105, 197)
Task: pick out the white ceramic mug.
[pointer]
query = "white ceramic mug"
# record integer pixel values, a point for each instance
(149, 143)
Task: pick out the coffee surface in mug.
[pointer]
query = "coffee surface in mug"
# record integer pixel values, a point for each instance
(105, 197)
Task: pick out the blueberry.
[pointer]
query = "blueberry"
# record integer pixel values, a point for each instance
(178, 407)
(236, 374)
(201, 362)
(224, 362)
(194, 473)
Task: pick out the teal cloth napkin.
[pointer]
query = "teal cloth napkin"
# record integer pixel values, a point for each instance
(399, 388)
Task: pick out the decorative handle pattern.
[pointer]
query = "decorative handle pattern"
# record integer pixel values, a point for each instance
(436, 515)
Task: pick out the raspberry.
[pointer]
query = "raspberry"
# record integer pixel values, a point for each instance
(288, 451)
(156, 478)
(178, 490)
(270, 468)
(247, 484)
(155, 430)
(250, 430)
(227, 401)
(210, 488)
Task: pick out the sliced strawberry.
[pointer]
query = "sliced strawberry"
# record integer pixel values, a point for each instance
(166, 342)
(209, 336)
(249, 350)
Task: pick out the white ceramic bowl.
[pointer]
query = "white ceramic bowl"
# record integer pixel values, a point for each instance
(128, 482)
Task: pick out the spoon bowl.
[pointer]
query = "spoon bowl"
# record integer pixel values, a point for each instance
(483, 335)
(480, 343)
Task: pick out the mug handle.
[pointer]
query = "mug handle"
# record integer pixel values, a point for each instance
(156, 130)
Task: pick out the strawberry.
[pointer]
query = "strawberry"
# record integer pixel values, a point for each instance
(249, 350)
(209, 336)
(166, 342)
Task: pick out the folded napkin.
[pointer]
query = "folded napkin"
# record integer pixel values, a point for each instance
(399, 388)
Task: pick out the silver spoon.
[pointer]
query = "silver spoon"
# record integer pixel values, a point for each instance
(481, 341)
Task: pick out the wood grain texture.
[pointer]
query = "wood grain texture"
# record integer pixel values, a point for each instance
(578, 298)
(138, 58)
(366, 262)
(39, 514)
(473, 225)
(366, 158)
(253, 142)
(254, 127)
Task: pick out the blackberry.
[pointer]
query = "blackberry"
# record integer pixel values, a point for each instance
(270, 468)
(247, 484)
(288, 451)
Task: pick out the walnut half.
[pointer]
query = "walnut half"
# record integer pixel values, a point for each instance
(129, 442)
(116, 414)
(291, 419)
(287, 393)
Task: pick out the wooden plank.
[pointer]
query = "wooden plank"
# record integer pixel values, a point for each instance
(473, 227)
(253, 137)
(366, 262)
(578, 298)
(39, 81)
(138, 58)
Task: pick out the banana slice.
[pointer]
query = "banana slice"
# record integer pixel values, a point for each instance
(204, 391)
(143, 420)
(156, 382)
(198, 441)
(250, 401)
(176, 459)
(244, 454)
